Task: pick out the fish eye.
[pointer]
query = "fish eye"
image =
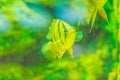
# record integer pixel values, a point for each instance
(65, 30)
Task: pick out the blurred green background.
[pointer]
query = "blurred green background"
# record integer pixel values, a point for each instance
(23, 29)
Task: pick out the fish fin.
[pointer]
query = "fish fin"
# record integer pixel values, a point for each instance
(93, 20)
(102, 14)
(58, 49)
(70, 39)
(48, 34)
(48, 51)
(79, 36)
(88, 19)
(52, 30)
(70, 51)
(59, 55)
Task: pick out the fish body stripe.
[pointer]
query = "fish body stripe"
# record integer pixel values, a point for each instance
(61, 36)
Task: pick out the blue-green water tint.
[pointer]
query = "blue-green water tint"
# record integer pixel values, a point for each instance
(38, 19)
(69, 13)
(4, 23)
(66, 14)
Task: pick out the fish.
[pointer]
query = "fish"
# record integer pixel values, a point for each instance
(93, 8)
(96, 7)
(61, 37)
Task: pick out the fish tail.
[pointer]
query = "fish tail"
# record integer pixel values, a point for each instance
(93, 20)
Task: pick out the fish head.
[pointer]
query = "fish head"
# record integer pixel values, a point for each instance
(60, 30)
(69, 34)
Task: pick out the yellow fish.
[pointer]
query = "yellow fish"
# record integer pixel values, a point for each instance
(95, 8)
(61, 38)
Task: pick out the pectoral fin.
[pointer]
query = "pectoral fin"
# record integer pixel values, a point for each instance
(70, 51)
(88, 17)
(93, 19)
(102, 14)
(79, 36)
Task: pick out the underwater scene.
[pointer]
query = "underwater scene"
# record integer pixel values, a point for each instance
(59, 39)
